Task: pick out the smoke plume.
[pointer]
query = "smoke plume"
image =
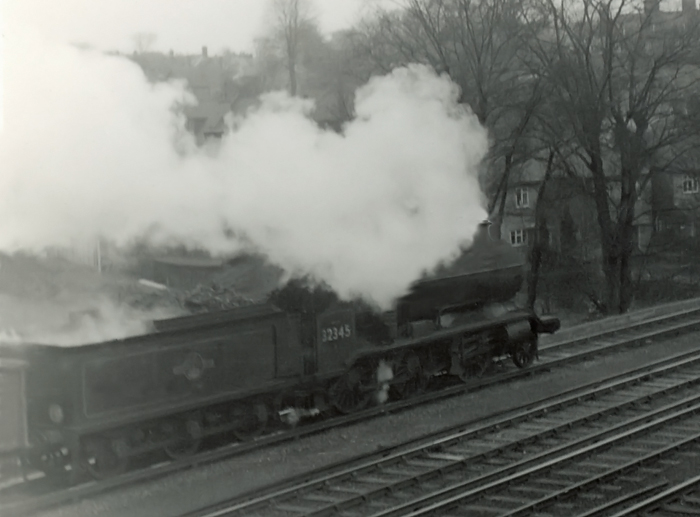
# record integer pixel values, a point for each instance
(91, 149)
(75, 323)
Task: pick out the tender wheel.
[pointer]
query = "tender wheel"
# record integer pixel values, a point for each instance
(524, 353)
(102, 459)
(250, 420)
(409, 377)
(183, 438)
(349, 393)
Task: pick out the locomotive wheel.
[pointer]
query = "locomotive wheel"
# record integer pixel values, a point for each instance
(524, 353)
(184, 438)
(250, 420)
(349, 393)
(410, 377)
(100, 458)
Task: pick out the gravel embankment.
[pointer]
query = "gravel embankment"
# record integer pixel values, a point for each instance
(195, 488)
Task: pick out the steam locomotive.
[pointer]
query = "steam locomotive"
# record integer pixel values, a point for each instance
(91, 409)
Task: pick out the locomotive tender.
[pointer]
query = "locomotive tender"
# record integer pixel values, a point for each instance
(91, 408)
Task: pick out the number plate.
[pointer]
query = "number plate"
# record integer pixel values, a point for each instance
(336, 326)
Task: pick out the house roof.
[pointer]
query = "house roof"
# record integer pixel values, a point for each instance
(201, 262)
(211, 113)
(676, 215)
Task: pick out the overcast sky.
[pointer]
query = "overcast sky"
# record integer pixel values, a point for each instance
(181, 25)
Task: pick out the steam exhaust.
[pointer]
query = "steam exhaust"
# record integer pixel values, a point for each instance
(385, 374)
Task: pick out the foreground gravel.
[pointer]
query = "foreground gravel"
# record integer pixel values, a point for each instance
(199, 487)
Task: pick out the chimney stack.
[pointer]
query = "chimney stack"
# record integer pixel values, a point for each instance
(204, 52)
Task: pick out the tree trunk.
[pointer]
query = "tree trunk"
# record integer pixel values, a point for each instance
(540, 238)
(292, 78)
(608, 234)
(617, 256)
(612, 281)
(626, 229)
(503, 193)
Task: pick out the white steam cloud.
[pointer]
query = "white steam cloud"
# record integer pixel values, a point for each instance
(70, 324)
(90, 149)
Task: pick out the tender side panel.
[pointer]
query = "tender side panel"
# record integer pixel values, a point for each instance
(113, 384)
(228, 360)
(249, 358)
(289, 351)
(13, 428)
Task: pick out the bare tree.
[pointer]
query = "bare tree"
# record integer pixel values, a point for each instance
(616, 76)
(291, 18)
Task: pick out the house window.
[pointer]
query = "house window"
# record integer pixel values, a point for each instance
(518, 237)
(691, 185)
(522, 198)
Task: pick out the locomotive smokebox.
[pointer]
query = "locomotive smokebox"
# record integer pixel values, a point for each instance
(489, 271)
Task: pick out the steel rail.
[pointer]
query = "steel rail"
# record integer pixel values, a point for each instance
(606, 508)
(459, 493)
(527, 509)
(655, 502)
(596, 480)
(620, 329)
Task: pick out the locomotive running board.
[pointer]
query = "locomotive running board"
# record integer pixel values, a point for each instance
(449, 333)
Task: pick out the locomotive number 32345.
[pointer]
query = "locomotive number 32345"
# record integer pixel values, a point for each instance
(335, 333)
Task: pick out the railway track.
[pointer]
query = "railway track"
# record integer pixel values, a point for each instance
(638, 328)
(680, 499)
(554, 458)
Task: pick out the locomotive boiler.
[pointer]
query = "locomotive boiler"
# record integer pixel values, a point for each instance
(93, 408)
(488, 272)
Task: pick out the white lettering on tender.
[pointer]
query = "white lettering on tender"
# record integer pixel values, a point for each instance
(335, 333)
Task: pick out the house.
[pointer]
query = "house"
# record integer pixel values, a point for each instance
(569, 211)
(675, 196)
(206, 120)
(518, 222)
(220, 84)
(676, 204)
(185, 272)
